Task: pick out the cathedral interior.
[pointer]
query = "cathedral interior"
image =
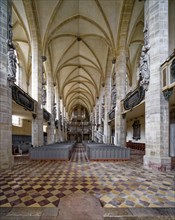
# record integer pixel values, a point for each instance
(87, 105)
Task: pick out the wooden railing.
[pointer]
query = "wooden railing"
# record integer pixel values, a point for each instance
(136, 146)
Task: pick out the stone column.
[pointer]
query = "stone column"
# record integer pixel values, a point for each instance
(93, 123)
(36, 82)
(97, 114)
(101, 103)
(106, 136)
(61, 120)
(156, 107)
(37, 122)
(120, 121)
(50, 107)
(65, 132)
(6, 157)
(57, 101)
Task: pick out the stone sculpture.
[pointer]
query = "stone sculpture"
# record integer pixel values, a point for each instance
(144, 61)
(12, 61)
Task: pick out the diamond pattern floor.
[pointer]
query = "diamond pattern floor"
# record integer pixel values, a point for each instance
(79, 154)
(116, 184)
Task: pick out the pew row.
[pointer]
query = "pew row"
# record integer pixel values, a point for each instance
(105, 152)
(56, 151)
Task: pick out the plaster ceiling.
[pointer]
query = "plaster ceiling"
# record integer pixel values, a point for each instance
(77, 37)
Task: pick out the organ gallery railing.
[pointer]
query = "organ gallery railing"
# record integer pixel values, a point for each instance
(133, 98)
(23, 99)
(168, 75)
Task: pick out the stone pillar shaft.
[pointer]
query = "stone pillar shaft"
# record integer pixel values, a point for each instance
(6, 158)
(50, 105)
(58, 129)
(37, 123)
(106, 137)
(120, 121)
(156, 107)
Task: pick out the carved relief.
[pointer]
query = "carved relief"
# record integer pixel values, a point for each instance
(44, 91)
(97, 116)
(172, 72)
(54, 111)
(11, 65)
(144, 61)
(103, 108)
(22, 98)
(113, 96)
(136, 130)
(44, 95)
(11, 55)
(134, 98)
(46, 115)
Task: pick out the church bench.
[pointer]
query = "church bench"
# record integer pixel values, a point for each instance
(58, 151)
(97, 151)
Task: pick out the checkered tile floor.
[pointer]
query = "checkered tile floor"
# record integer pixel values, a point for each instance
(79, 154)
(116, 184)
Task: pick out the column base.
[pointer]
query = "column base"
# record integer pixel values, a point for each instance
(157, 163)
(8, 164)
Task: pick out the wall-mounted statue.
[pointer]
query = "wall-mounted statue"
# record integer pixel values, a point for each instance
(103, 107)
(44, 91)
(44, 95)
(144, 61)
(11, 65)
(12, 61)
(54, 111)
(113, 96)
(97, 115)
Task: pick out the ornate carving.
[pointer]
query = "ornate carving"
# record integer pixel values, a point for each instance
(44, 95)
(46, 115)
(22, 98)
(172, 72)
(144, 61)
(97, 115)
(102, 112)
(34, 116)
(103, 100)
(134, 98)
(44, 91)
(111, 114)
(54, 111)
(11, 54)
(136, 130)
(56, 123)
(103, 107)
(168, 93)
(113, 96)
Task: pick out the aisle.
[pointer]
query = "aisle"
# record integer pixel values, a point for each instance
(79, 154)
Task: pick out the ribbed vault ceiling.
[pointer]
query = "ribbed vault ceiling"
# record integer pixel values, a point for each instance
(77, 37)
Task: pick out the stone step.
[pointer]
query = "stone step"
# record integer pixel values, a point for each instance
(139, 213)
(80, 206)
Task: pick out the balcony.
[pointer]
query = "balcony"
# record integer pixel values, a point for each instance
(168, 75)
